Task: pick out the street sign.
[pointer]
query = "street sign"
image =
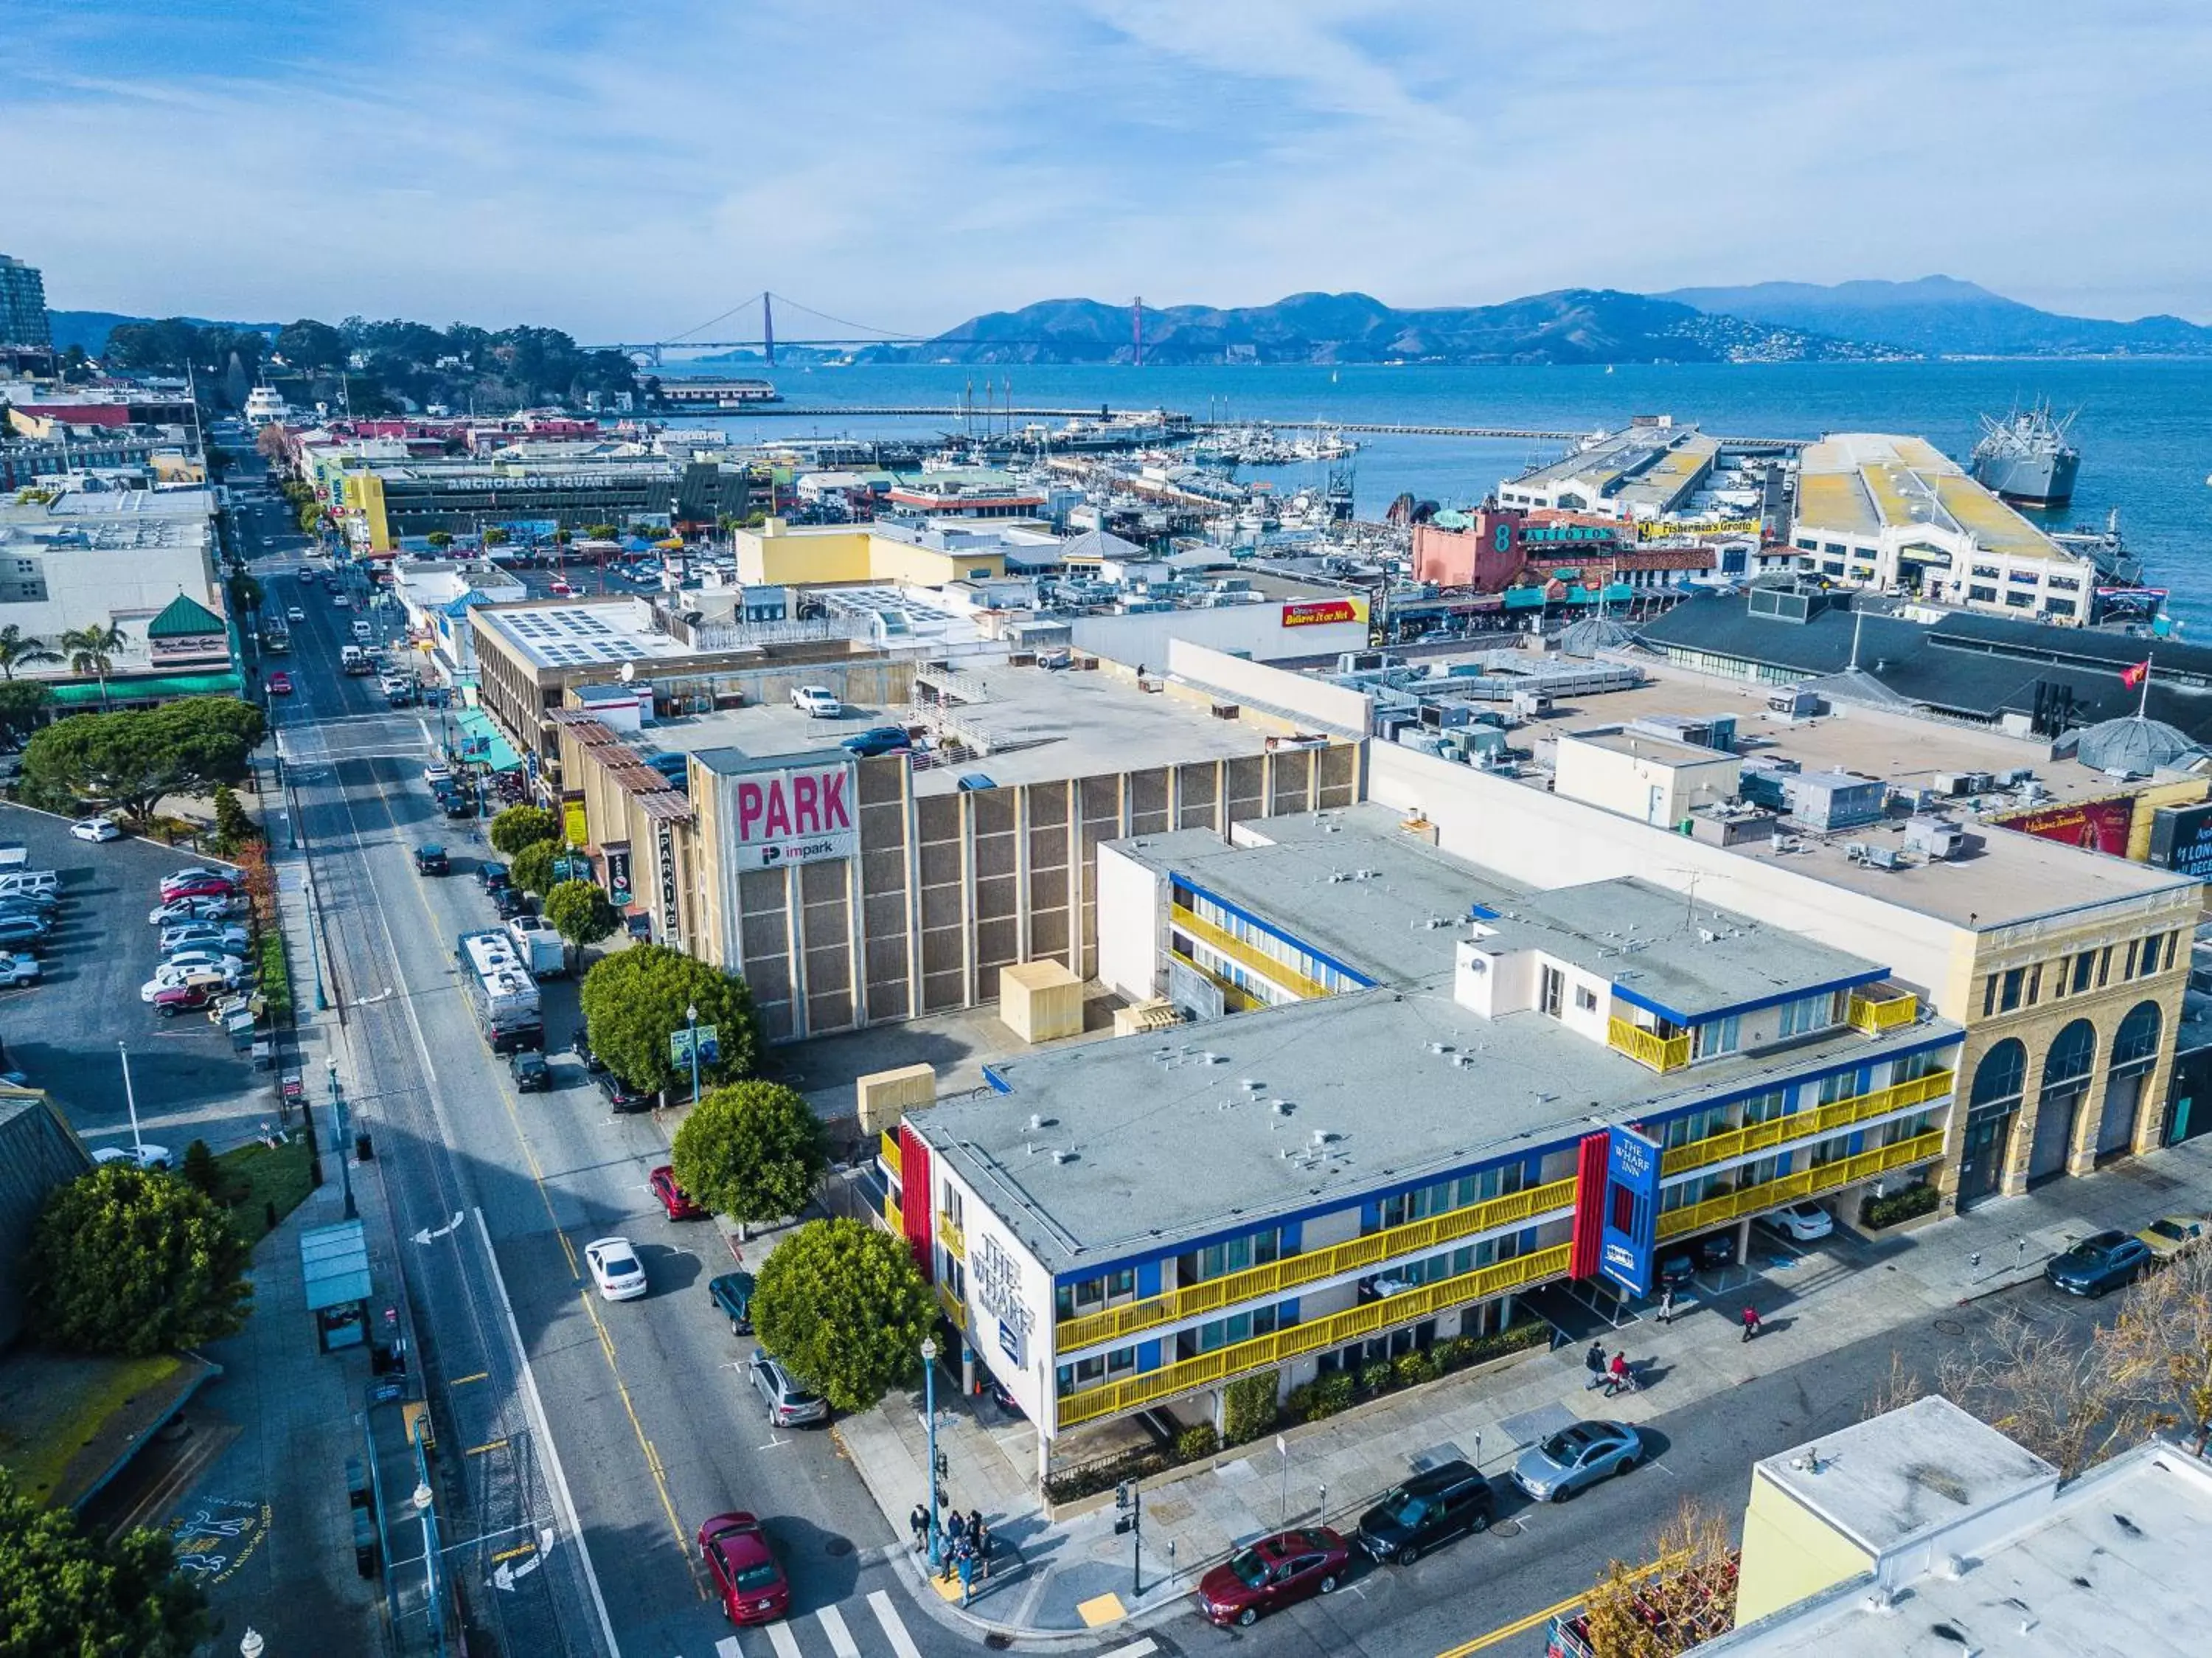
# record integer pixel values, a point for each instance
(679, 1046)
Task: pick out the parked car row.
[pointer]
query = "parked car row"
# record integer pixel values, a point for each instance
(205, 946)
(31, 903)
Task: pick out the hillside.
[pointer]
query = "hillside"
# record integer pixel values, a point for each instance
(90, 329)
(1572, 325)
(1941, 316)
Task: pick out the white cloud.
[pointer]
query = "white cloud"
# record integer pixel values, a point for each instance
(632, 173)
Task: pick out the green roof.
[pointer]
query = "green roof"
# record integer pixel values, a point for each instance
(184, 618)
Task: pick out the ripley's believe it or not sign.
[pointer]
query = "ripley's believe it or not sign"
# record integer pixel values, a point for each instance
(793, 814)
(1313, 612)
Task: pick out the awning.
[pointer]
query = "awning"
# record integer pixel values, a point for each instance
(480, 741)
(1524, 598)
(159, 687)
(335, 1262)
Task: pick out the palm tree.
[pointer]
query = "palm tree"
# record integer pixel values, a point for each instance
(20, 650)
(92, 650)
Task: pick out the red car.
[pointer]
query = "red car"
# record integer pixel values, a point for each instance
(182, 998)
(673, 1199)
(1274, 1572)
(745, 1574)
(280, 685)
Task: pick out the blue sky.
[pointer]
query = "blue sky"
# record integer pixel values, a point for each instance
(630, 171)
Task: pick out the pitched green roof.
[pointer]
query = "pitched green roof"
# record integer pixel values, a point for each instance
(184, 618)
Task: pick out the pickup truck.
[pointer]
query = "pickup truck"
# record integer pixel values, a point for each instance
(540, 946)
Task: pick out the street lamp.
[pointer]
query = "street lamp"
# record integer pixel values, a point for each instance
(424, 1506)
(250, 1646)
(691, 1022)
(130, 1100)
(345, 1168)
(929, 1413)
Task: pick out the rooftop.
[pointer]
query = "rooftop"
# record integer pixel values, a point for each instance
(1863, 483)
(1070, 724)
(581, 632)
(1133, 1109)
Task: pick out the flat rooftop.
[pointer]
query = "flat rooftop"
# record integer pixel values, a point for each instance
(1645, 745)
(1863, 483)
(581, 632)
(1349, 883)
(1135, 1110)
(1607, 459)
(1069, 724)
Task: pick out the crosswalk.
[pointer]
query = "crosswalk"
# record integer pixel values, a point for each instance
(809, 1634)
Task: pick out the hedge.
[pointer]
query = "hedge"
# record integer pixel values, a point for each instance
(1919, 1198)
(275, 976)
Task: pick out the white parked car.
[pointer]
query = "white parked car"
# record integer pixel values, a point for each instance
(193, 909)
(96, 829)
(1805, 1222)
(293, 613)
(435, 775)
(616, 1269)
(18, 969)
(146, 1155)
(817, 702)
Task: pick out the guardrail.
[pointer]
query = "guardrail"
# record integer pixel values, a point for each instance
(1248, 955)
(1806, 1124)
(1806, 1183)
(1647, 1047)
(1873, 1014)
(951, 1236)
(888, 1149)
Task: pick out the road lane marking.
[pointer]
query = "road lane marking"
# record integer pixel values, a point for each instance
(462, 1381)
(727, 1647)
(894, 1631)
(1135, 1649)
(514, 1553)
(781, 1637)
(841, 1638)
(1507, 1632)
(489, 1445)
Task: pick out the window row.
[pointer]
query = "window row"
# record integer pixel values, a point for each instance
(2087, 970)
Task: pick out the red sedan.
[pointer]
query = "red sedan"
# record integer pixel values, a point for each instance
(1275, 1571)
(673, 1198)
(280, 685)
(745, 1574)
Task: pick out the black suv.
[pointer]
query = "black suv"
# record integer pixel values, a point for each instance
(492, 875)
(531, 1073)
(1448, 1501)
(510, 902)
(621, 1096)
(432, 861)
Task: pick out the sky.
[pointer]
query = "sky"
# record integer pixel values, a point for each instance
(627, 173)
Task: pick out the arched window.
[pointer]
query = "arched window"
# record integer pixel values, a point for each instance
(2073, 1055)
(2137, 1041)
(2002, 1074)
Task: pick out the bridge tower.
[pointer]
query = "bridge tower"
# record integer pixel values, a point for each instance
(1137, 328)
(768, 325)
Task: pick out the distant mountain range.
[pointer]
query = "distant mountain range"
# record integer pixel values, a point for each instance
(1941, 316)
(1573, 325)
(90, 329)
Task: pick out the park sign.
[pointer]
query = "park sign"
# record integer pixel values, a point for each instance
(797, 814)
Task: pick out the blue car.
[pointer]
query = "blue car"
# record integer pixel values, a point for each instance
(878, 739)
(2101, 1262)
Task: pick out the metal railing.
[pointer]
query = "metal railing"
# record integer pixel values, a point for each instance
(1805, 1125)
(1248, 955)
(1331, 1331)
(1875, 1013)
(1806, 1183)
(888, 1149)
(892, 1217)
(950, 1236)
(955, 1308)
(1647, 1047)
(1071, 1335)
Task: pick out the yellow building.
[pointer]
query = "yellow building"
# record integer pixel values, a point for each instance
(780, 554)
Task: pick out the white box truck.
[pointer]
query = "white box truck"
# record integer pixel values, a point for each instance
(540, 946)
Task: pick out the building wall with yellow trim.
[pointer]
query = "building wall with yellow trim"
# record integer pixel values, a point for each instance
(1788, 1554)
(777, 555)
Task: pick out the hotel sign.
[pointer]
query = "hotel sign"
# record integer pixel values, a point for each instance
(995, 1279)
(1313, 612)
(793, 814)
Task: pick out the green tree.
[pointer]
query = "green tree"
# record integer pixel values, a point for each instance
(519, 826)
(201, 1172)
(310, 517)
(22, 650)
(232, 827)
(247, 595)
(495, 537)
(581, 913)
(114, 760)
(532, 868)
(844, 1307)
(131, 1263)
(635, 998)
(601, 532)
(440, 539)
(21, 703)
(92, 650)
(752, 1151)
(66, 1590)
(308, 346)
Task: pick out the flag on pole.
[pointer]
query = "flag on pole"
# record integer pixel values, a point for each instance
(2132, 677)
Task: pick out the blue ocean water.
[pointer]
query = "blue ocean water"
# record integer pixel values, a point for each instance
(2144, 428)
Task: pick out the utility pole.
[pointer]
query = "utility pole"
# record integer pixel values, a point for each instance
(1129, 1497)
(338, 1129)
(130, 1100)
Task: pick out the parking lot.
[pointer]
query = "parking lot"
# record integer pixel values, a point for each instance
(60, 1031)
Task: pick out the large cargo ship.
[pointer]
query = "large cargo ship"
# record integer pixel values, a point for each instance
(2026, 459)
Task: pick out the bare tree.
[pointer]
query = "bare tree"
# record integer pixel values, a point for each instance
(2057, 1395)
(1684, 1596)
(1899, 1388)
(2160, 1348)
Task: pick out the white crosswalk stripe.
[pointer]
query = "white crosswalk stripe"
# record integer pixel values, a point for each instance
(841, 1638)
(727, 1647)
(1135, 1649)
(781, 1637)
(894, 1631)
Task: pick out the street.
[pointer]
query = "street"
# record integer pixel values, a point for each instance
(634, 1421)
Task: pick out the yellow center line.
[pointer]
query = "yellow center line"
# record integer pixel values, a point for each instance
(463, 1382)
(510, 1554)
(489, 1445)
(1506, 1632)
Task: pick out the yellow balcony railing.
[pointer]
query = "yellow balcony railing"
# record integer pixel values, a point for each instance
(1334, 1330)
(1235, 997)
(951, 1236)
(1278, 1277)
(1248, 955)
(892, 1217)
(1806, 1183)
(888, 1149)
(1875, 1011)
(1647, 1047)
(1802, 1124)
(955, 1308)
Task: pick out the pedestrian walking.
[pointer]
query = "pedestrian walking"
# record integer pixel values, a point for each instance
(979, 1538)
(1594, 1362)
(1750, 1322)
(1667, 1305)
(1618, 1377)
(967, 1573)
(918, 1523)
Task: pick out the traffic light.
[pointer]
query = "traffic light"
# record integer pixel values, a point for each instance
(1121, 1494)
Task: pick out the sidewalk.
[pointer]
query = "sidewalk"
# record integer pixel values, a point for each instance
(1072, 1577)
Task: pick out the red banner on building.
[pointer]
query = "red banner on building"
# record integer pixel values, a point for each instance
(1314, 612)
(2096, 825)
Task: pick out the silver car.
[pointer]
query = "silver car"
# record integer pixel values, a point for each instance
(787, 1402)
(1575, 1457)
